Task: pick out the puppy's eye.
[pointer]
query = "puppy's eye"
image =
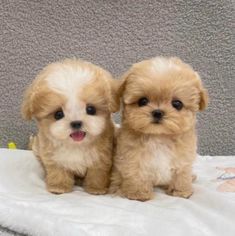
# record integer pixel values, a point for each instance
(177, 104)
(143, 102)
(59, 115)
(90, 110)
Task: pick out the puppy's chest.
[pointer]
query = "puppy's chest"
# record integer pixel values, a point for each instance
(158, 163)
(75, 159)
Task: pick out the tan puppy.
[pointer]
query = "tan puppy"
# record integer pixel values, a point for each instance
(156, 144)
(72, 102)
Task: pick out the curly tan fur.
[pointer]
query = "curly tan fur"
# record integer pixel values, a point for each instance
(149, 153)
(70, 86)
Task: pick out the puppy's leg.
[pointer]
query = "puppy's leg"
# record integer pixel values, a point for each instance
(116, 181)
(58, 180)
(97, 180)
(136, 188)
(181, 185)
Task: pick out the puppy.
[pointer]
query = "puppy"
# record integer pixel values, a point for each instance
(72, 102)
(156, 144)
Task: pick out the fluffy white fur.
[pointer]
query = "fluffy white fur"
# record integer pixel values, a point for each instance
(159, 164)
(162, 65)
(71, 81)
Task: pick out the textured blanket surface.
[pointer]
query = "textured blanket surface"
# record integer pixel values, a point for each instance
(26, 207)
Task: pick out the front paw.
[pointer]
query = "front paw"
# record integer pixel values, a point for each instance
(59, 189)
(96, 191)
(138, 195)
(180, 193)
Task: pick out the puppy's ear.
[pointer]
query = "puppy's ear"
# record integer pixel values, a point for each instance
(114, 105)
(117, 88)
(203, 99)
(203, 102)
(27, 107)
(33, 100)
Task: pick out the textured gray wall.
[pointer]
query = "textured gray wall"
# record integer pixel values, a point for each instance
(115, 34)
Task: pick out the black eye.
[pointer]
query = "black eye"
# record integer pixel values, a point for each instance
(59, 115)
(177, 104)
(90, 110)
(143, 102)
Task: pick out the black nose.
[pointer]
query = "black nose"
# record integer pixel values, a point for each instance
(157, 115)
(76, 124)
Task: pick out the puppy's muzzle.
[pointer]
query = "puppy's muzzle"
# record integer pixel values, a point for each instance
(157, 115)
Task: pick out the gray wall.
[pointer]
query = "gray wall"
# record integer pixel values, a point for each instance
(115, 34)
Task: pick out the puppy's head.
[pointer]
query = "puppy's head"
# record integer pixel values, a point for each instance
(161, 96)
(71, 101)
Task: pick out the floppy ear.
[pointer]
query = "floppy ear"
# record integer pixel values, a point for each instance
(27, 110)
(203, 99)
(114, 105)
(117, 87)
(203, 102)
(35, 98)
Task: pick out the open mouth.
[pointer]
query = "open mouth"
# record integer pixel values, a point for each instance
(78, 136)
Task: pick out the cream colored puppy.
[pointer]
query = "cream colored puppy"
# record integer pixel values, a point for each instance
(72, 102)
(156, 144)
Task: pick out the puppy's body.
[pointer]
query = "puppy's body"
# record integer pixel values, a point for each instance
(72, 103)
(70, 161)
(147, 161)
(157, 152)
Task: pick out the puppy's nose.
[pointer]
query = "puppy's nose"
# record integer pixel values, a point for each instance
(157, 114)
(76, 124)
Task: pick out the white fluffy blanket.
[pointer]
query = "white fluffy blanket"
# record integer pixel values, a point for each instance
(26, 207)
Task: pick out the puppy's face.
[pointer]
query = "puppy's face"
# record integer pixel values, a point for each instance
(71, 101)
(161, 96)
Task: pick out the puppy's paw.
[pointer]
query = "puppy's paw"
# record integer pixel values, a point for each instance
(138, 195)
(179, 193)
(59, 189)
(113, 190)
(96, 191)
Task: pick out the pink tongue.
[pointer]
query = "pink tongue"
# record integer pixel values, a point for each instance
(78, 136)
